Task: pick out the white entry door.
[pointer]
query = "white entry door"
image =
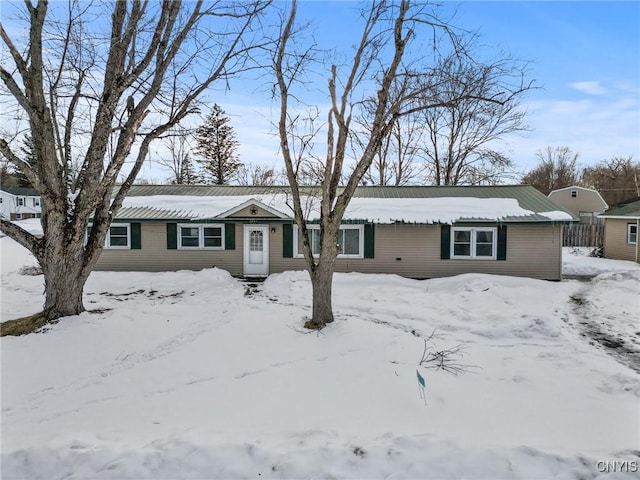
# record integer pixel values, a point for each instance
(256, 250)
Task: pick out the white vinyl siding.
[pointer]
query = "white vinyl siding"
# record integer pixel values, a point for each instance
(414, 251)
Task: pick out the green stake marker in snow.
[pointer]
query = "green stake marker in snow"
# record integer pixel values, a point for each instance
(421, 385)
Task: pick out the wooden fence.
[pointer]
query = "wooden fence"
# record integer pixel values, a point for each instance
(582, 235)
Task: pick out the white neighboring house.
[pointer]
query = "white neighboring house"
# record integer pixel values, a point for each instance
(18, 203)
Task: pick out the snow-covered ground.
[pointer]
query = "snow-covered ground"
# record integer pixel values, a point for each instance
(577, 262)
(183, 375)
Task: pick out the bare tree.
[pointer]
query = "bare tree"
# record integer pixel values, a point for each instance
(617, 179)
(398, 162)
(108, 92)
(558, 168)
(256, 174)
(460, 139)
(179, 161)
(381, 64)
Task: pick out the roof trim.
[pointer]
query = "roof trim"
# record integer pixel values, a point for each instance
(152, 214)
(572, 187)
(258, 203)
(575, 187)
(621, 217)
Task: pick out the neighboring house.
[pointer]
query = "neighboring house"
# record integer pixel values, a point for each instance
(417, 232)
(621, 225)
(584, 203)
(17, 203)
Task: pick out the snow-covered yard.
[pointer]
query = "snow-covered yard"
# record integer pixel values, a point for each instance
(183, 375)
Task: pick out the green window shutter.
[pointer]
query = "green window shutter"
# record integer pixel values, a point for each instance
(230, 236)
(502, 243)
(136, 236)
(369, 240)
(445, 242)
(172, 236)
(287, 240)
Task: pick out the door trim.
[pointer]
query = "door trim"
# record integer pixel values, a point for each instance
(265, 249)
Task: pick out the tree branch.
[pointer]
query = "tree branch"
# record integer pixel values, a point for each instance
(15, 54)
(16, 91)
(23, 237)
(23, 166)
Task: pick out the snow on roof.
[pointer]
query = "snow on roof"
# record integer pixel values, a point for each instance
(441, 210)
(379, 210)
(556, 215)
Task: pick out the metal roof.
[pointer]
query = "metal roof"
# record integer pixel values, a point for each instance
(630, 208)
(199, 190)
(527, 196)
(150, 213)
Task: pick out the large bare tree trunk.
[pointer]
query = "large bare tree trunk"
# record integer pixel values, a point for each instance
(322, 281)
(64, 281)
(379, 86)
(93, 105)
(322, 309)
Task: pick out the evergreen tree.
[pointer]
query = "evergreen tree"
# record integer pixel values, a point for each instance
(217, 147)
(189, 176)
(28, 156)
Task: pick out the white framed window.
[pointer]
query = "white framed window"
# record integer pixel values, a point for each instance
(209, 236)
(20, 201)
(350, 241)
(632, 233)
(118, 236)
(474, 242)
(18, 216)
(36, 202)
(574, 193)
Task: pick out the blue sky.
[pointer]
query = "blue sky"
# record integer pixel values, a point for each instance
(585, 56)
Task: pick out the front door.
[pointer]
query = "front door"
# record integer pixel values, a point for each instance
(256, 250)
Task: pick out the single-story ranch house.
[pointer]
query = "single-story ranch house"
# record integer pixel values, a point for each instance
(621, 224)
(417, 232)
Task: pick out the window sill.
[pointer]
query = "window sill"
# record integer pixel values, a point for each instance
(338, 257)
(483, 259)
